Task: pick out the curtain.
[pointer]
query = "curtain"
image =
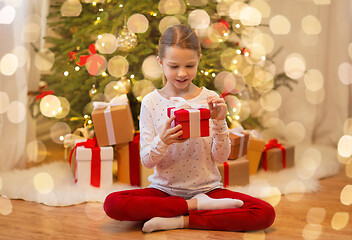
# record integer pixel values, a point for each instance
(22, 27)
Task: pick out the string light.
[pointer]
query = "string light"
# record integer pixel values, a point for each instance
(89, 121)
(121, 5)
(234, 61)
(94, 3)
(66, 73)
(86, 116)
(263, 58)
(237, 117)
(104, 74)
(238, 51)
(132, 76)
(77, 68)
(206, 73)
(236, 71)
(237, 25)
(213, 74)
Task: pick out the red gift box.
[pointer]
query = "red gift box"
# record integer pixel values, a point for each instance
(194, 122)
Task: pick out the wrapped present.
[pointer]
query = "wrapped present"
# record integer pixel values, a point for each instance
(234, 173)
(239, 144)
(130, 169)
(92, 164)
(254, 153)
(277, 156)
(193, 119)
(113, 123)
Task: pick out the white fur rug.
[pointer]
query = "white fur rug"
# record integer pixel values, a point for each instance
(58, 187)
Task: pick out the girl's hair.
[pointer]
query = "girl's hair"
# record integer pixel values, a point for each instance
(180, 36)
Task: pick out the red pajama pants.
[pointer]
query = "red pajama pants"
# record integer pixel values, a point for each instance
(144, 204)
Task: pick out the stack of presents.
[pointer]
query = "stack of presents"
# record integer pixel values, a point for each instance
(113, 155)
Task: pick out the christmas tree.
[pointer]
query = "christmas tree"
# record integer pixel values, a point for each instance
(105, 48)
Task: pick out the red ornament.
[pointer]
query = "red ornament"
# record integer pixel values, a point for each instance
(244, 51)
(221, 20)
(83, 59)
(71, 55)
(43, 93)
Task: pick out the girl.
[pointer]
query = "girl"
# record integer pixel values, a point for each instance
(185, 190)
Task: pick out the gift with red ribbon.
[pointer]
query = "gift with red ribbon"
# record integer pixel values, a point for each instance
(130, 170)
(276, 156)
(193, 119)
(234, 173)
(92, 164)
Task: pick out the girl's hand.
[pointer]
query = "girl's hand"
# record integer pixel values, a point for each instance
(170, 135)
(218, 108)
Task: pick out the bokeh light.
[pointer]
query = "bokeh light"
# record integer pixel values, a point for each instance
(50, 106)
(30, 32)
(171, 7)
(113, 89)
(43, 183)
(151, 68)
(250, 16)
(230, 60)
(118, 66)
(106, 43)
(36, 151)
(94, 211)
(262, 6)
(21, 54)
(345, 73)
(225, 82)
(271, 100)
(314, 80)
(235, 9)
(8, 14)
(295, 132)
(223, 7)
(344, 146)
(245, 111)
(198, 19)
(8, 64)
(168, 21)
(316, 215)
(271, 195)
(71, 8)
(58, 130)
(4, 102)
(295, 66)
(346, 195)
(16, 112)
(294, 191)
(311, 25)
(255, 235)
(64, 109)
(137, 23)
(96, 64)
(5, 206)
(142, 88)
(315, 97)
(262, 81)
(269, 119)
(197, 3)
(340, 220)
(308, 40)
(218, 32)
(44, 59)
(311, 231)
(233, 104)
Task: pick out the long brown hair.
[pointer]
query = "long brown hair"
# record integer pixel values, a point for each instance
(180, 36)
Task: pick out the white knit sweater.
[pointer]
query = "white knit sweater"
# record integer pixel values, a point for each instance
(181, 169)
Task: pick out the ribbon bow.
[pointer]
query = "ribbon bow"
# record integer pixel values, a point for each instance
(69, 139)
(181, 103)
(83, 59)
(43, 93)
(95, 162)
(118, 100)
(273, 143)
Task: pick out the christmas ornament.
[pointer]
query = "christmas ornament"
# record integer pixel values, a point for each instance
(92, 91)
(126, 40)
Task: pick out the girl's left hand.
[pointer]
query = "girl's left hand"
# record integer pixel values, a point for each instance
(218, 108)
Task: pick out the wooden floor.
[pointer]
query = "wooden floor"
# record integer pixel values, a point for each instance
(310, 216)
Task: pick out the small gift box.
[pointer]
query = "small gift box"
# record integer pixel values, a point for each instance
(130, 169)
(254, 153)
(194, 120)
(234, 173)
(92, 164)
(277, 156)
(239, 144)
(113, 123)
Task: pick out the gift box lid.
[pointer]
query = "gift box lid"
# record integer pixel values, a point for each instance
(85, 154)
(183, 114)
(256, 144)
(113, 108)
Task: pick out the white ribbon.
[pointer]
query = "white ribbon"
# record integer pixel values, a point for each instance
(194, 114)
(118, 100)
(237, 131)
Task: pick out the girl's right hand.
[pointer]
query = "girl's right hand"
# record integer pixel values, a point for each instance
(170, 134)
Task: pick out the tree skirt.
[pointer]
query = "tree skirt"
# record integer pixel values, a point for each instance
(53, 185)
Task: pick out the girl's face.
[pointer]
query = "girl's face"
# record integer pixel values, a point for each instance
(180, 66)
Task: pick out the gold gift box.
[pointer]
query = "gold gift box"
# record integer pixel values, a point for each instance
(254, 154)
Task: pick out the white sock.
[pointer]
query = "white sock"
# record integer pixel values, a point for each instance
(160, 223)
(204, 202)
